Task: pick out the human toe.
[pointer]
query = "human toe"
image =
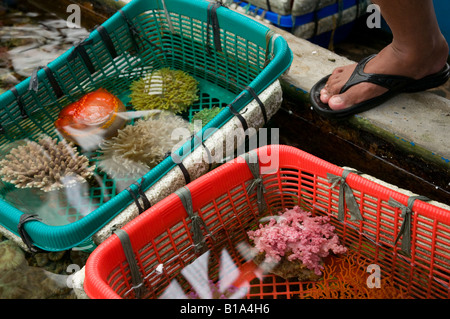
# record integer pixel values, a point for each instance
(336, 102)
(324, 95)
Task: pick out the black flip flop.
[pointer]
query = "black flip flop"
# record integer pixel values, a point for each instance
(394, 83)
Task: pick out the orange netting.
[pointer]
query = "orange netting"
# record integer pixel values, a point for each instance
(345, 277)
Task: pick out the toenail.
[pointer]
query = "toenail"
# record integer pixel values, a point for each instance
(336, 99)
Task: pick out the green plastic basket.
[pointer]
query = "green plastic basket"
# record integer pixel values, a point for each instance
(232, 57)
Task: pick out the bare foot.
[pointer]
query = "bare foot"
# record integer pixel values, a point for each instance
(390, 60)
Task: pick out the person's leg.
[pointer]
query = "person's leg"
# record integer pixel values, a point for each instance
(418, 49)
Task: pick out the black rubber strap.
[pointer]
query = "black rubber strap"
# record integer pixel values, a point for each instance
(133, 32)
(23, 113)
(24, 218)
(177, 161)
(391, 82)
(140, 194)
(213, 21)
(340, 12)
(260, 103)
(358, 7)
(87, 61)
(239, 116)
(136, 277)
(107, 41)
(34, 81)
(80, 49)
(268, 5)
(316, 18)
(56, 88)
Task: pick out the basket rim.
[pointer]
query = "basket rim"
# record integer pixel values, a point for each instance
(71, 235)
(95, 284)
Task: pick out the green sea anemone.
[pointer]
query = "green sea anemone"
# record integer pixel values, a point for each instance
(164, 89)
(204, 117)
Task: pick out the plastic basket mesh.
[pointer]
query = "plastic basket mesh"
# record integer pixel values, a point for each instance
(222, 76)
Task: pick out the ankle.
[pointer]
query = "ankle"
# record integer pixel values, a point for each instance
(432, 45)
(424, 61)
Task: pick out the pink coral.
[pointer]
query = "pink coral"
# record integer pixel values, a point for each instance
(298, 235)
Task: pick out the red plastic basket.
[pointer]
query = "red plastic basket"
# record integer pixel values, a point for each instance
(162, 237)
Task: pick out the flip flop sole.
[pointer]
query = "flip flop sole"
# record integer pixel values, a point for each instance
(429, 82)
(423, 84)
(324, 110)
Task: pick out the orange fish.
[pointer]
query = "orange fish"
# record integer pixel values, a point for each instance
(94, 117)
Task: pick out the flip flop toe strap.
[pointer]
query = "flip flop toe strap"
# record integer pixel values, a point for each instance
(391, 82)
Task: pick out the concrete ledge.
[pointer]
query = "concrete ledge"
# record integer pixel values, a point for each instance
(417, 122)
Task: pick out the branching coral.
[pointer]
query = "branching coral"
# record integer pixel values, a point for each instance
(297, 236)
(46, 164)
(344, 277)
(164, 89)
(138, 148)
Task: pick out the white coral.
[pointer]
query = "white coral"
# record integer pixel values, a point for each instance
(138, 148)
